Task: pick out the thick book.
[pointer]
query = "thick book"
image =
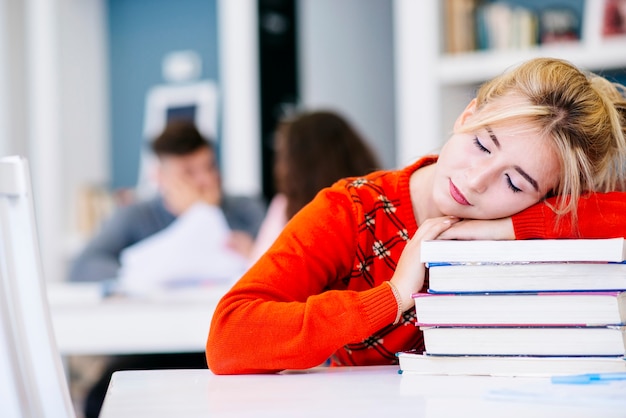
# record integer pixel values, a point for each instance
(526, 277)
(524, 340)
(521, 366)
(539, 250)
(551, 308)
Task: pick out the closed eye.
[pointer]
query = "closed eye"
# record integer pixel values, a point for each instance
(511, 185)
(480, 146)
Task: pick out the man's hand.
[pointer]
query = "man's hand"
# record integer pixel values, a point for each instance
(180, 193)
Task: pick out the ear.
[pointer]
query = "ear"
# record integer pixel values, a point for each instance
(470, 110)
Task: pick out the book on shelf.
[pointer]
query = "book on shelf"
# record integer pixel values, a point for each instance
(500, 26)
(525, 277)
(559, 24)
(520, 366)
(512, 251)
(460, 25)
(462, 339)
(614, 19)
(550, 308)
(471, 25)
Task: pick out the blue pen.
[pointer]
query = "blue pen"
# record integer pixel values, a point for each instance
(585, 379)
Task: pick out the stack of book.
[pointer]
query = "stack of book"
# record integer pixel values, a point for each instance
(522, 308)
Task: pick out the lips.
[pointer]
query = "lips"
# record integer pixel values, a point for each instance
(457, 195)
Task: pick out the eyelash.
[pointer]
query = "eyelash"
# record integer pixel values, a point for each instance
(511, 185)
(508, 178)
(480, 146)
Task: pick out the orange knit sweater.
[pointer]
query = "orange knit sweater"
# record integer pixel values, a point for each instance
(319, 291)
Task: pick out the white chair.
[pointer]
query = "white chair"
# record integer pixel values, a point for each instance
(32, 378)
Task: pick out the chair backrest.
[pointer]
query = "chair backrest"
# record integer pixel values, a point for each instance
(32, 378)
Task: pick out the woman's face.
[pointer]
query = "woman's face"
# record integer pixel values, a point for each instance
(495, 172)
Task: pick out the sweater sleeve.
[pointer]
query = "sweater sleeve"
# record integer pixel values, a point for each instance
(281, 313)
(600, 215)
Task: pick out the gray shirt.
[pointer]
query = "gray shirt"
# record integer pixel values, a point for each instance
(100, 259)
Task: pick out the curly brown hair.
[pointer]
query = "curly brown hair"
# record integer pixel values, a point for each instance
(314, 150)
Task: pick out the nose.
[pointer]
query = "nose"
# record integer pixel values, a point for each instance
(479, 176)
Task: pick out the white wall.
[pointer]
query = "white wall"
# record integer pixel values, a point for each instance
(54, 107)
(239, 90)
(12, 78)
(346, 63)
(83, 78)
(43, 96)
(415, 67)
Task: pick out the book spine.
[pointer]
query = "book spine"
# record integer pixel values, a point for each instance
(621, 327)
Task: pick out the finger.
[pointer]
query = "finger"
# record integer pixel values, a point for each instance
(433, 227)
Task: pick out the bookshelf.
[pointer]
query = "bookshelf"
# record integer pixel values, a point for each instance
(435, 86)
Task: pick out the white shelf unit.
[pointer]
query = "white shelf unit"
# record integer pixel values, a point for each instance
(434, 87)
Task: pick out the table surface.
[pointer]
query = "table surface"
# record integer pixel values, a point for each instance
(88, 323)
(374, 391)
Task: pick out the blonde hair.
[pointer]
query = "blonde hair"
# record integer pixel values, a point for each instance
(582, 113)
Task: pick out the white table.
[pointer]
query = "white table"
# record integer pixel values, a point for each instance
(86, 323)
(350, 392)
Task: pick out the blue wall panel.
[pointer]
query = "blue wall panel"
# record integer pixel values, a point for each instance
(141, 33)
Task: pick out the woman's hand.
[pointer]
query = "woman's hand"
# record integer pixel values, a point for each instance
(472, 229)
(409, 275)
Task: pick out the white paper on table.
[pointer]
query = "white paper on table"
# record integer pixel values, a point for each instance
(192, 249)
(599, 394)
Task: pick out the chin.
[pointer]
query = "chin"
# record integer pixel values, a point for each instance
(451, 210)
